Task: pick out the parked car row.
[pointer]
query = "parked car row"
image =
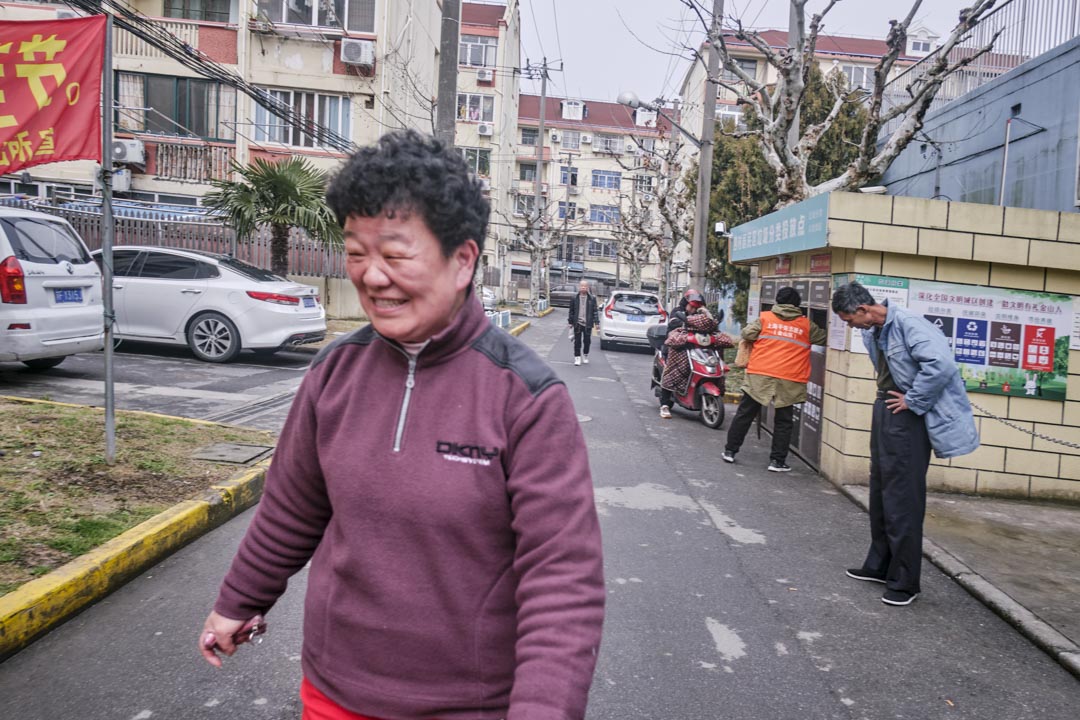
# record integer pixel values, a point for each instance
(51, 299)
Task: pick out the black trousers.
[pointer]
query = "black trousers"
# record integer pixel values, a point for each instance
(582, 334)
(744, 418)
(899, 457)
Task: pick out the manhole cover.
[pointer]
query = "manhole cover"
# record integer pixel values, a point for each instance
(235, 453)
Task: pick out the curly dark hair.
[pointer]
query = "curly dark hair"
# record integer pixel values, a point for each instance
(406, 172)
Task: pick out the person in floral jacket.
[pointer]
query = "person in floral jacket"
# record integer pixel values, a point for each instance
(700, 322)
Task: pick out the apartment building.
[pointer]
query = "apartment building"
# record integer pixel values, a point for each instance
(487, 112)
(595, 162)
(348, 71)
(855, 57)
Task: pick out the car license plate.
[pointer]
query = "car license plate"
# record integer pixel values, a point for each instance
(68, 295)
(636, 318)
(309, 302)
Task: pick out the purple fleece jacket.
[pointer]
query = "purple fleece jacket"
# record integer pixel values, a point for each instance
(447, 509)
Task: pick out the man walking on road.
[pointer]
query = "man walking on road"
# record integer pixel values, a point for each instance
(921, 404)
(778, 371)
(583, 317)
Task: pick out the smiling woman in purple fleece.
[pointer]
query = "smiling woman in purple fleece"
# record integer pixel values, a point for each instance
(433, 472)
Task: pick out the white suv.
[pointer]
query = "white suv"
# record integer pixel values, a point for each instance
(50, 291)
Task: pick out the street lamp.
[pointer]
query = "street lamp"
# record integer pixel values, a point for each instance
(704, 145)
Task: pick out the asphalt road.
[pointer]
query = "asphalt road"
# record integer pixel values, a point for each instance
(255, 391)
(727, 599)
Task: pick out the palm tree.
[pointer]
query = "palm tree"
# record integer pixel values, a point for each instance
(283, 195)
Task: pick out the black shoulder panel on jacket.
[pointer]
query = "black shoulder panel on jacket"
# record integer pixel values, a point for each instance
(363, 336)
(508, 352)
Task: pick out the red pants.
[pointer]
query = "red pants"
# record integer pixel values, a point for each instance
(319, 707)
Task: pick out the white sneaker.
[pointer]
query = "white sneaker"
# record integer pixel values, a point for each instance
(577, 360)
(665, 412)
(586, 359)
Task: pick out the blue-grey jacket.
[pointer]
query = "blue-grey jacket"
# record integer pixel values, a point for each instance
(922, 367)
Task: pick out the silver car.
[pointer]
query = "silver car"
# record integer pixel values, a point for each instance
(214, 304)
(50, 291)
(627, 317)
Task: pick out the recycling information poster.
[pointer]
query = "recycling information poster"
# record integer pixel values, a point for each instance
(1006, 342)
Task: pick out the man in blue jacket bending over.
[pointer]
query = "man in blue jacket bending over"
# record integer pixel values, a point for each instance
(921, 404)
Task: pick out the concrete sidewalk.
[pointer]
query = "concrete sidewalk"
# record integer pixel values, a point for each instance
(1019, 558)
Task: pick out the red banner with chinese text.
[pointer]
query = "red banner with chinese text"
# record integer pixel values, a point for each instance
(50, 91)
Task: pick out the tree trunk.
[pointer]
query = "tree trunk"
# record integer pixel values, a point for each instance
(534, 282)
(279, 250)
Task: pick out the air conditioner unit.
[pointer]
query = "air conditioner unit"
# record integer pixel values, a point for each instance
(574, 190)
(587, 139)
(485, 129)
(632, 148)
(647, 197)
(485, 75)
(543, 188)
(121, 180)
(555, 136)
(485, 184)
(66, 14)
(358, 52)
(129, 151)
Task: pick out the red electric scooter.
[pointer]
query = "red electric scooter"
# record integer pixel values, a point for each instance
(708, 377)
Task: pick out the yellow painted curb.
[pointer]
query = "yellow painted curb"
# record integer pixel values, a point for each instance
(546, 311)
(44, 603)
(519, 328)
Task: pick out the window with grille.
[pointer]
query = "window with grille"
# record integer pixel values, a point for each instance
(175, 106)
(529, 136)
(327, 112)
(747, 65)
(353, 15)
(571, 140)
(527, 172)
(475, 108)
(602, 249)
(478, 160)
(525, 205)
(607, 143)
(565, 207)
(643, 183)
(208, 10)
(606, 179)
(858, 76)
(607, 214)
(477, 50)
(568, 175)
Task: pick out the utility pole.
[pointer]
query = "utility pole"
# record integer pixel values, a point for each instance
(541, 71)
(708, 132)
(795, 42)
(566, 221)
(445, 115)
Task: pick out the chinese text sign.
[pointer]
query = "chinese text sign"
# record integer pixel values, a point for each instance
(50, 91)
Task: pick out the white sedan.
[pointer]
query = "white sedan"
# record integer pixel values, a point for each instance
(214, 304)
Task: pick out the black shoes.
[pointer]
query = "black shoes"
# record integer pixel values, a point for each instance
(776, 466)
(861, 574)
(727, 456)
(898, 597)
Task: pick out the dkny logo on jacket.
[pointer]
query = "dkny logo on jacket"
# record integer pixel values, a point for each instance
(470, 454)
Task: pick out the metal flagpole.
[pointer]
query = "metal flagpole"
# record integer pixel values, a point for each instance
(107, 232)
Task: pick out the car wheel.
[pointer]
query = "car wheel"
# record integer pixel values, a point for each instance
(213, 338)
(605, 345)
(712, 410)
(44, 363)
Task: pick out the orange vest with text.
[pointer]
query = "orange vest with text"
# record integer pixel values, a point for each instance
(782, 350)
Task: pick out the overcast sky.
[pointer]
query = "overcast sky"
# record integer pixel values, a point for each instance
(608, 46)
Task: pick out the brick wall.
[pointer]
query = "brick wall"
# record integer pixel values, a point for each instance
(970, 244)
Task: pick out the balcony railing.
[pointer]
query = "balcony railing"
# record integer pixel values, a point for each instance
(193, 163)
(127, 45)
